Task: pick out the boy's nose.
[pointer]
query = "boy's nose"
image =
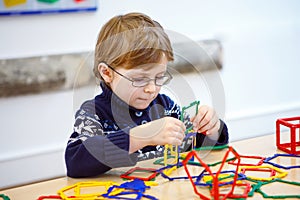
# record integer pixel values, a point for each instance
(150, 87)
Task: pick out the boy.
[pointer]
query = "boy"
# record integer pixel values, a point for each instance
(130, 121)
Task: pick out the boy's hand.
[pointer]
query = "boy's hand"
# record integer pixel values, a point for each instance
(167, 130)
(206, 121)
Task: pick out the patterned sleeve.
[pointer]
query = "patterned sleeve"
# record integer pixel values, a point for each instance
(91, 151)
(86, 125)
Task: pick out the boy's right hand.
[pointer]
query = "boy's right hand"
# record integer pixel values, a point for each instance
(167, 130)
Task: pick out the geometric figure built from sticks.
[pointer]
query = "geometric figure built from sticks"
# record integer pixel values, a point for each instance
(274, 172)
(259, 158)
(49, 197)
(291, 166)
(215, 176)
(130, 174)
(259, 188)
(77, 187)
(289, 146)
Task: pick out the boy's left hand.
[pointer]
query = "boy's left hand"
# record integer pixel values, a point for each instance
(206, 121)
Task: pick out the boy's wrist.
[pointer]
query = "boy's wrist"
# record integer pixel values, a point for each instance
(137, 139)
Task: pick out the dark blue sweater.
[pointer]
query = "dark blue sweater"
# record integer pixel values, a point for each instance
(100, 140)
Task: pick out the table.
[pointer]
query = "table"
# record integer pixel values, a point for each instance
(178, 189)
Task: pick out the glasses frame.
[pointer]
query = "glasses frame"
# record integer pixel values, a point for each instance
(149, 79)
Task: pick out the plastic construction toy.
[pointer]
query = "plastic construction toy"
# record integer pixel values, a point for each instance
(269, 161)
(166, 172)
(4, 197)
(76, 188)
(136, 187)
(11, 3)
(215, 176)
(129, 174)
(219, 147)
(123, 195)
(291, 146)
(189, 128)
(160, 161)
(274, 172)
(259, 188)
(245, 186)
(185, 108)
(225, 178)
(174, 150)
(173, 154)
(48, 1)
(49, 197)
(226, 182)
(79, 1)
(259, 158)
(193, 162)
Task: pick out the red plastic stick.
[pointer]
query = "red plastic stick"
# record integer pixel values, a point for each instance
(152, 176)
(291, 146)
(49, 197)
(215, 178)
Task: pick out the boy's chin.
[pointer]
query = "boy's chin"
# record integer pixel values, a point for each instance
(141, 106)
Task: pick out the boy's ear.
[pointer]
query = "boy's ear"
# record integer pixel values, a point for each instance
(105, 72)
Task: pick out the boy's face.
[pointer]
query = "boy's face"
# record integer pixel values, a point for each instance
(139, 97)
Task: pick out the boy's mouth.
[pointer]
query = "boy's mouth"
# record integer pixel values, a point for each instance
(143, 99)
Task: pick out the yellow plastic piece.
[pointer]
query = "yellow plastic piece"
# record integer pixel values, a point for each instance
(208, 178)
(77, 187)
(169, 171)
(279, 172)
(172, 153)
(151, 183)
(11, 3)
(223, 177)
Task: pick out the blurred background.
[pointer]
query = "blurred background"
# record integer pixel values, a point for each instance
(258, 79)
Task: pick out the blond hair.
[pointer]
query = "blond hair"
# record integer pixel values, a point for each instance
(131, 40)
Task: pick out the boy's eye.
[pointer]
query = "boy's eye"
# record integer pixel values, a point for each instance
(159, 80)
(140, 79)
(160, 77)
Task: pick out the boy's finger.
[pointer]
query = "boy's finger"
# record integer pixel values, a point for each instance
(181, 125)
(199, 120)
(208, 126)
(213, 130)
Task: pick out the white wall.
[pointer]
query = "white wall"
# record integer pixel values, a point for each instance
(260, 74)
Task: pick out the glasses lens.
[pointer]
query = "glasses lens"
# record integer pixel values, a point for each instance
(159, 81)
(140, 82)
(162, 80)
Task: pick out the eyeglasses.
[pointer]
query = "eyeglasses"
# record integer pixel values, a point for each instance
(143, 81)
